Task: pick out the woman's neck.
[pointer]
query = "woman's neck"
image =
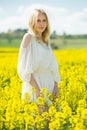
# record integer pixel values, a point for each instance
(39, 36)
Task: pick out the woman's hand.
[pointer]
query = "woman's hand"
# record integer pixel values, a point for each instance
(55, 90)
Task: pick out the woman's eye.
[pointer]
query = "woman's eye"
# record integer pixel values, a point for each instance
(38, 20)
(44, 20)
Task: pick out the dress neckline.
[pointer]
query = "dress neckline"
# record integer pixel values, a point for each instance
(41, 43)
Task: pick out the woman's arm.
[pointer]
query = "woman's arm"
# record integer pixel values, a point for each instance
(25, 41)
(35, 85)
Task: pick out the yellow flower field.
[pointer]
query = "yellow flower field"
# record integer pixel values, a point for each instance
(68, 112)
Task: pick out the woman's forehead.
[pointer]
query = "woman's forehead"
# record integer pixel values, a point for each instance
(41, 15)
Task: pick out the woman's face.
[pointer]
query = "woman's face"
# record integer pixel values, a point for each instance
(41, 23)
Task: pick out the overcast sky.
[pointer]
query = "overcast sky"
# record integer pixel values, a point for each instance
(68, 16)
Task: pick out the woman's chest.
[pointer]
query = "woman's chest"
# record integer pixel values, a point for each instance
(44, 55)
(43, 52)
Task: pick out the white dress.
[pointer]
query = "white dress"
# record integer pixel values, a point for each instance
(39, 60)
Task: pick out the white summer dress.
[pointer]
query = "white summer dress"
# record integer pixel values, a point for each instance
(37, 59)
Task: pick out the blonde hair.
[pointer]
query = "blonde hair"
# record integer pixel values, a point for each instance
(31, 24)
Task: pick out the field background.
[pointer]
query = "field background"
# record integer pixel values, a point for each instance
(68, 112)
(58, 43)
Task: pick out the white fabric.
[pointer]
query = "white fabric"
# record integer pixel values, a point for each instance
(39, 60)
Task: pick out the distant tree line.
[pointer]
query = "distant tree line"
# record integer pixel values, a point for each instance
(18, 34)
(54, 35)
(11, 35)
(13, 38)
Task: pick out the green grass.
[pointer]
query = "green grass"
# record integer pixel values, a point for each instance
(70, 43)
(58, 43)
(13, 43)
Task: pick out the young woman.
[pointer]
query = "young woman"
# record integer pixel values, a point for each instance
(37, 66)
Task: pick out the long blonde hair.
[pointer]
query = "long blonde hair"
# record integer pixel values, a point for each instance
(31, 24)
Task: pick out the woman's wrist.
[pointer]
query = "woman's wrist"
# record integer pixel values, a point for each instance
(33, 82)
(55, 85)
(35, 85)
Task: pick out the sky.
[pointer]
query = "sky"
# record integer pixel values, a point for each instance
(68, 16)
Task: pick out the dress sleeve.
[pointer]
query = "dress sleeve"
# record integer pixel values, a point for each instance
(55, 70)
(24, 66)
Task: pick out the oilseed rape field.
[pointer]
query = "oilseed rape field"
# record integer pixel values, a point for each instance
(67, 112)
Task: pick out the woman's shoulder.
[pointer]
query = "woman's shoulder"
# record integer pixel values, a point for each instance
(26, 39)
